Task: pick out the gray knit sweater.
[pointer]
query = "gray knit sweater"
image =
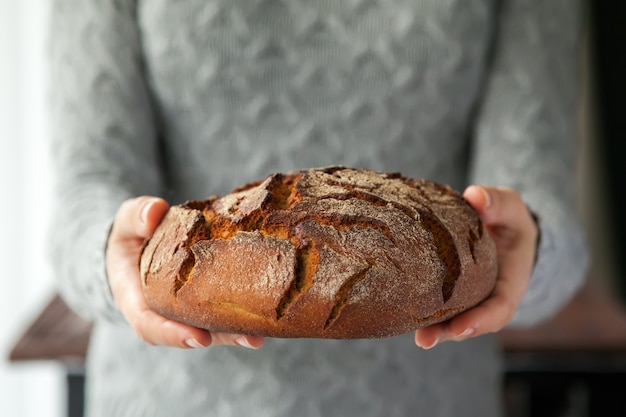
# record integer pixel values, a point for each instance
(185, 99)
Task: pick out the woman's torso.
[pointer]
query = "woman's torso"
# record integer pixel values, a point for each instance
(243, 88)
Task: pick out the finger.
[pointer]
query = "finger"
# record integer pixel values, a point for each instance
(488, 317)
(497, 206)
(507, 217)
(478, 198)
(158, 330)
(138, 217)
(429, 337)
(149, 326)
(250, 342)
(492, 314)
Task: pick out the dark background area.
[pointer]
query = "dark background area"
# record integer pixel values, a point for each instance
(608, 59)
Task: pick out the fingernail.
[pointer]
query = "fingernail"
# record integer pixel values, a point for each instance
(467, 332)
(193, 343)
(487, 198)
(144, 212)
(243, 342)
(433, 344)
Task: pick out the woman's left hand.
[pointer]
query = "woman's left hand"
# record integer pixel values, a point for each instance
(515, 232)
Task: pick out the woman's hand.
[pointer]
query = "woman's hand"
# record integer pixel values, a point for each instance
(515, 233)
(136, 220)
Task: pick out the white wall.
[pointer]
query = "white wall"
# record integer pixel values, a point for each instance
(29, 389)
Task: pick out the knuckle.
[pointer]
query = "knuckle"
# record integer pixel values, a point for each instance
(142, 328)
(509, 312)
(221, 339)
(506, 311)
(168, 337)
(127, 206)
(143, 335)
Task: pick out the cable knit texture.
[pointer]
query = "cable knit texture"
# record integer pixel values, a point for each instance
(185, 99)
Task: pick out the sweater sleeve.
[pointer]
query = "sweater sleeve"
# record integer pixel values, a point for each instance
(103, 141)
(526, 137)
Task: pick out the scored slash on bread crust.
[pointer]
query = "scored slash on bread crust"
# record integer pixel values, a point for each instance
(330, 252)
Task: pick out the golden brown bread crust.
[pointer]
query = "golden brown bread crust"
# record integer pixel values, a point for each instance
(324, 253)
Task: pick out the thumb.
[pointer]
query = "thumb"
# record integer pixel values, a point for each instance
(497, 206)
(138, 217)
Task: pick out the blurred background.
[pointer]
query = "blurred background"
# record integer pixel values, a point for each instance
(39, 388)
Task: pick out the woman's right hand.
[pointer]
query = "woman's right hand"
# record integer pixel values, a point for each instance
(136, 220)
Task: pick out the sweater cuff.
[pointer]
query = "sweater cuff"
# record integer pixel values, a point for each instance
(553, 282)
(91, 297)
(111, 312)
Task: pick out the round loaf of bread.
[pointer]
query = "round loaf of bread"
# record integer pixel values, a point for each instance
(322, 253)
